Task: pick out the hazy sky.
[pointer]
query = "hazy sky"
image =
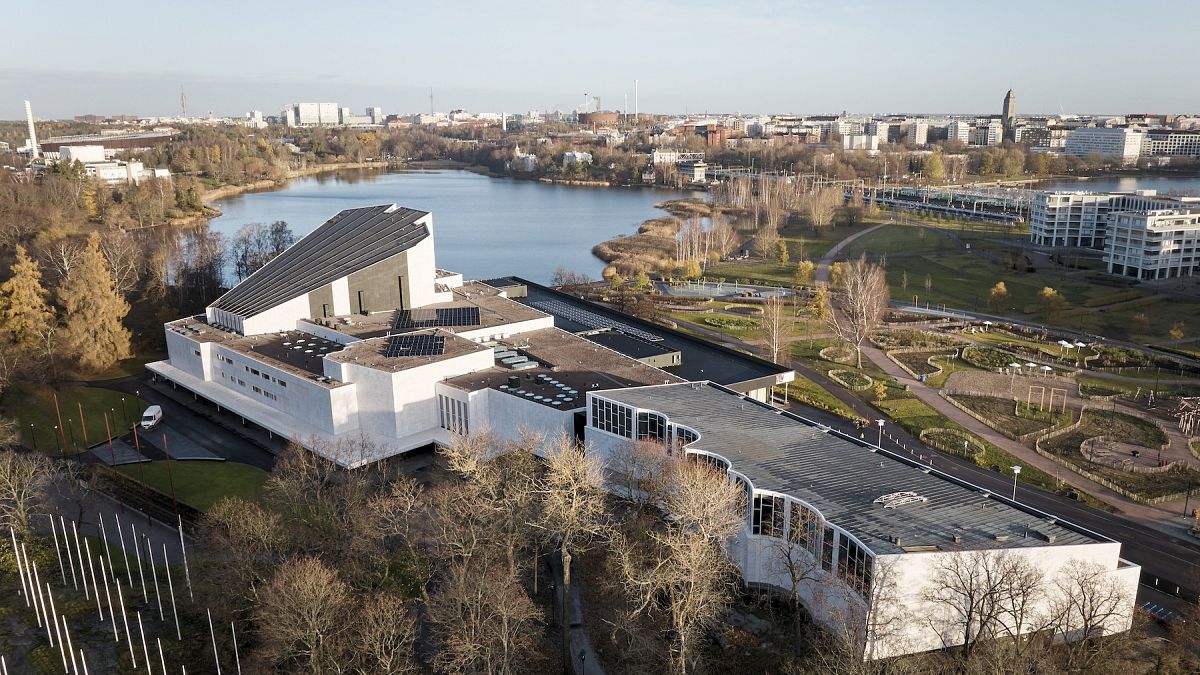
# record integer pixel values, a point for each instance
(72, 57)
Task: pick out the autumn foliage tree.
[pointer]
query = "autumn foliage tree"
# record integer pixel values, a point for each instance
(92, 312)
(24, 315)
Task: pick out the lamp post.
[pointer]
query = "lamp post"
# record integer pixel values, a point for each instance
(880, 442)
(57, 441)
(33, 433)
(1016, 472)
(71, 428)
(124, 412)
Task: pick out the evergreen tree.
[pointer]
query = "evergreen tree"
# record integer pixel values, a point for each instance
(92, 312)
(24, 315)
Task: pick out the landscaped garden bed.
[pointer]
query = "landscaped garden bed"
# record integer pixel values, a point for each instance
(918, 363)
(851, 379)
(735, 322)
(1009, 417)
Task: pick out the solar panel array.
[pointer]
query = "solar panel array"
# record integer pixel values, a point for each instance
(591, 319)
(436, 318)
(415, 345)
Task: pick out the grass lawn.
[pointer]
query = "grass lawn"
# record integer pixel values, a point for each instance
(125, 368)
(199, 484)
(949, 366)
(34, 404)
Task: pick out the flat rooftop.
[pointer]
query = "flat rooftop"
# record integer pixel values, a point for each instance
(576, 363)
(480, 300)
(410, 350)
(842, 476)
(700, 360)
(292, 351)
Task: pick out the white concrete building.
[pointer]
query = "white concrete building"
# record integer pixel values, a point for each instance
(1171, 143)
(991, 133)
(868, 529)
(1122, 144)
(959, 130)
(863, 142)
(1154, 243)
(693, 171)
(312, 115)
(353, 333)
(1065, 218)
(98, 165)
(915, 134)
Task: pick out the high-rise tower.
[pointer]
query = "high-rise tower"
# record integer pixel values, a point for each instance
(1009, 114)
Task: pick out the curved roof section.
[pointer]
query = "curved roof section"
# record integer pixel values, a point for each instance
(350, 241)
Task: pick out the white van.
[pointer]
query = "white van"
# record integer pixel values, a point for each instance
(151, 417)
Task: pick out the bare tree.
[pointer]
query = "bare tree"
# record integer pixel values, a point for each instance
(302, 614)
(684, 566)
(123, 254)
(862, 301)
(573, 503)
(820, 204)
(776, 325)
(384, 636)
(484, 622)
(980, 595)
(642, 470)
(24, 479)
(1089, 605)
(861, 631)
(61, 257)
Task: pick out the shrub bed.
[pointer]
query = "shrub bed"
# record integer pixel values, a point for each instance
(730, 322)
(851, 379)
(895, 339)
(986, 358)
(837, 354)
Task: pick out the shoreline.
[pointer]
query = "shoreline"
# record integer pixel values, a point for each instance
(271, 184)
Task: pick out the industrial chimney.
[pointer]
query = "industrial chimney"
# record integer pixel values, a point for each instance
(35, 152)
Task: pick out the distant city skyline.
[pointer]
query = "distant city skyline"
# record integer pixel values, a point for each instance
(932, 56)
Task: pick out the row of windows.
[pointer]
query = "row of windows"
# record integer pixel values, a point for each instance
(452, 415)
(767, 516)
(612, 417)
(855, 566)
(651, 426)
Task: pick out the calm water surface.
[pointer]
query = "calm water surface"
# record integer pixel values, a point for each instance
(1181, 185)
(484, 227)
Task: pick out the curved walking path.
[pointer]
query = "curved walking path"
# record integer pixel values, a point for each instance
(822, 274)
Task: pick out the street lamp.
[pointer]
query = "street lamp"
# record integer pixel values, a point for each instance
(71, 428)
(1016, 472)
(57, 441)
(33, 433)
(880, 423)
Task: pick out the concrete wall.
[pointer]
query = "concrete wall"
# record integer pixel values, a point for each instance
(403, 403)
(508, 416)
(277, 318)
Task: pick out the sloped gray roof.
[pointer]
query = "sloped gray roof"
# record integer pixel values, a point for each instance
(349, 241)
(842, 476)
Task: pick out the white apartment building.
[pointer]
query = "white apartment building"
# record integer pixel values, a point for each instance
(1063, 218)
(1154, 244)
(959, 130)
(1171, 143)
(311, 115)
(866, 528)
(1121, 143)
(864, 142)
(991, 133)
(915, 133)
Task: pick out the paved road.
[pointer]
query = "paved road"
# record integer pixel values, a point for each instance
(202, 426)
(822, 273)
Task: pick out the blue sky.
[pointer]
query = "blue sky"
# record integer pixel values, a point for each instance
(73, 57)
